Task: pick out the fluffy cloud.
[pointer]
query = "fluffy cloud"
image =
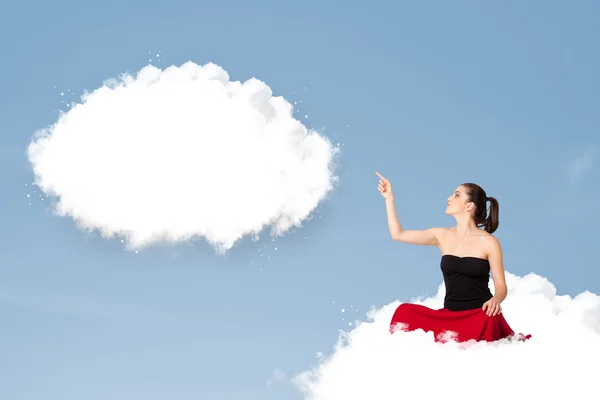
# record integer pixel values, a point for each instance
(582, 165)
(557, 362)
(169, 155)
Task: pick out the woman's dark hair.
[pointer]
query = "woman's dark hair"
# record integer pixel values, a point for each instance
(477, 195)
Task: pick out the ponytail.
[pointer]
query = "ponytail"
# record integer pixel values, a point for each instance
(478, 196)
(491, 222)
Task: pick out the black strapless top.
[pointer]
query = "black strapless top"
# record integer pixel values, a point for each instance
(467, 282)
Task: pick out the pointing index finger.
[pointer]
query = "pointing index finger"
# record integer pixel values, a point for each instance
(379, 175)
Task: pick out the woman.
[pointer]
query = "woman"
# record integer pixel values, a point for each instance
(468, 255)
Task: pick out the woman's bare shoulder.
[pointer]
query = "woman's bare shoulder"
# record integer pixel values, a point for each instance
(442, 230)
(491, 242)
(443, 234)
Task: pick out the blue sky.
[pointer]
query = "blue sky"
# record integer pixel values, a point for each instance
(504, 95)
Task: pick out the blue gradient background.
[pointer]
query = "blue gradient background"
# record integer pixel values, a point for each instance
(430, 95)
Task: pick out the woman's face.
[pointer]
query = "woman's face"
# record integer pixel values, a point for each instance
(457, 202)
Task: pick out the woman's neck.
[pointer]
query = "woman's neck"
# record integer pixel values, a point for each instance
(466, 227)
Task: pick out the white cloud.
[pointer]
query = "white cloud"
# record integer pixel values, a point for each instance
(583, 164)
(277, 376)
(557, 362)
(169, 155)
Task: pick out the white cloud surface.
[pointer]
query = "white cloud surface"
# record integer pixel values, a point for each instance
(558, 362)
(169, 155)
(582, 165)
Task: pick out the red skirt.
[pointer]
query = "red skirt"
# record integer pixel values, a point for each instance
(465, 325)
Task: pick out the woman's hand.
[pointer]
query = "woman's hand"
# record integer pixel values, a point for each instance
(385, 187)
(492, 307)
